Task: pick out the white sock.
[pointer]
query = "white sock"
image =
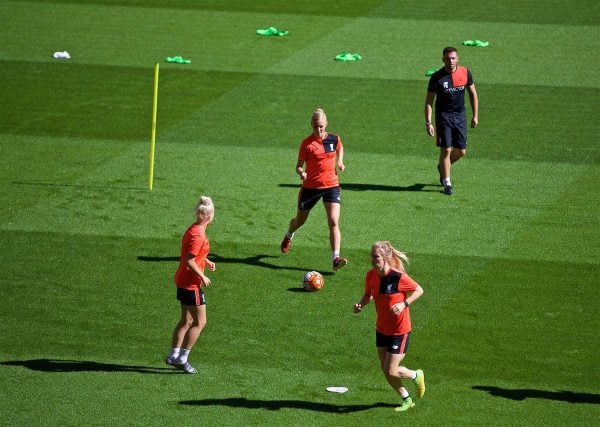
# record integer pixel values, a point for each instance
(335, 254)
(447, 182)
(175, 352)
(414, 376)
(289, 235)
(405, 394)
(183, 356)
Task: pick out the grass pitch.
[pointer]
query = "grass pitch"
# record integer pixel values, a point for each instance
(506, 331)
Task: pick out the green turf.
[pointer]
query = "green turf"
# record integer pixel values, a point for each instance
(506, 331)
(533, 11)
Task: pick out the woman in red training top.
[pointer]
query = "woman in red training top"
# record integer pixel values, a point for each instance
(189, 280)
(393, 292)
(321, 153)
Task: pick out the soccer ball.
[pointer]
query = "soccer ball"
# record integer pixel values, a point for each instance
(313, 281)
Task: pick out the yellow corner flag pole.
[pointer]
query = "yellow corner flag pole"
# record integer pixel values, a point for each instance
(153, 135)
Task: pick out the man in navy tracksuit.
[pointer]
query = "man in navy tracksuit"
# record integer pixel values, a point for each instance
(447, 86)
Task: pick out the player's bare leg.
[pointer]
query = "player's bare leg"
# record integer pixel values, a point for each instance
(390, 366)
(444, 169)
(296, 222)
(335, 236)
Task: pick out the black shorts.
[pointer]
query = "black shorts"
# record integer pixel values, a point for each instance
(309, 197)
(451, 131)
(395, 344)
(191, 297)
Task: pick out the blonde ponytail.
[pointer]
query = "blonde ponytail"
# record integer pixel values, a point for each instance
(392, 255)
(204, 208)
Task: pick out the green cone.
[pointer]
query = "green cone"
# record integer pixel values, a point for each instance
(477, 43)
(177, 60)
(345, 56)
(271, 31)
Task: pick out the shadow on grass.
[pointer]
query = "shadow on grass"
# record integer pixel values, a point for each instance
(299, 289)
(256, 261)
(56, 365)
(524, 393)
(275, 405)
(378, 187)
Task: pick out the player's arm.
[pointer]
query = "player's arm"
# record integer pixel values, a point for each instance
(414, 291)
(366, 298)
(400, 306)
(474, 104)
(340, 156)
(191, 263)
(415, 295)
(300, 170)
(429, 112)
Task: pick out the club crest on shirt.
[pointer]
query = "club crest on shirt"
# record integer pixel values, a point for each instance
(330, 143)
(390, 283)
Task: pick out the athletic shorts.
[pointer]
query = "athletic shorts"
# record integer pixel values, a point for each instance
(451, 131)
(395, 344)
(308, 197)
(191, 297)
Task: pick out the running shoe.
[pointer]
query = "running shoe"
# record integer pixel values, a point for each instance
(420, 382)
(406, 405)
(186, 367)
(339, 262)
(285, 244)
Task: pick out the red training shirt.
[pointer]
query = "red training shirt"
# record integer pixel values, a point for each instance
(320, 158)
(387, 291)
(194, 242)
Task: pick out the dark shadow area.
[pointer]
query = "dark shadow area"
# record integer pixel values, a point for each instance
(299, 289)
(525, 393)
(275, 405)
(256, 261)
(378, 187)
(56, 365)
